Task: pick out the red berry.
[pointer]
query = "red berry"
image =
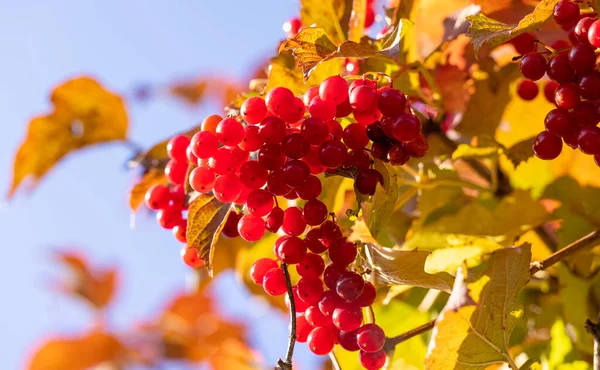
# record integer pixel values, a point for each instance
(177, 146)
(254, 110)
(370, 338)
(418, 147)
(310, 290)
(559, 69)
(295, 173)
(230, 229)
(311, 266)
(567, 96)
(406, 127)
(223, 162)
(279, 99)
(350, 285)
(559, 122)
(227, 188)
(180, 230)
(550, 90)
(310, 189)
(274, 220)
(397, 155)
(315, 131)
(293, 223)
(191, 157)
(589, 86)
(375, 133)
(355, 136)
(329, 302)
(533, 66)
(392, 102)
(169, 217)
(301, 306)
(333, 153)
(176, 171)
(566, 13)
(348, 317)
(274, 282)
(252, 140)
(597, 159)
(594, 34)
(272, 130)
(292, 27)
(314, 212)
(291, 250)
(294, 112)
(332, 274)
(202, 179)
(321, 340)
(253, 175)
(271, 157)
(335, 129)
(303, 328)
(343, 253)
(260, 268)
(315, 317)
(372, 361)
(313, 243)
(547, 146)
(582, 58)
(585, 114)
(276, 184)
(366, 181)
(343, 109)
(524, 43)
(359, 159)
(295, 146)
(334, 89)
(230, 132)
(348, 341)
(588, 140)
(527, 90)
(363, 99)
(368, 295)
(157, 197)
(369, 17)
(191, 258)
(260, 202)
(320, 109)
(251, 228)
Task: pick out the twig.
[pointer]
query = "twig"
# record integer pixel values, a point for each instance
(392, 342)
(334, 361)
(287, 363)
(567, 251)
(594, 329)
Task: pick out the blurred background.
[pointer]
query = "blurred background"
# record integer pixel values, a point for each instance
(82, 203)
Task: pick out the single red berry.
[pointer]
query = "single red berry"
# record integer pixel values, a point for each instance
(253, 175)
(589, 86)
(279, 99)
(295, 146)
(271, 157)
(291, 250)
(176, 171)
(343, 253)
(274, 220)
(177, 197)
(157, 197)
(292, 27)
(252, 140)
(366, 181)
(547, 145)
(550, 90)
(310, 290)
(314, 130)
(355, 136)
(363, 99)
(310, 189)
(585, 114)
(274, 282)
(260, 268)
(293, 113)
(588, 140)
(594, 34)
(343, 109)
(260, 202)
(397, 155)
(314, 212)
(332, 274)
(527, 90)
(559, 122)
(597, 159)
(359, 159)
(370, 338)
(335, 129)
(368, 117)
(230, 132)
(333, 153)
(230, 229)
(350, 285)
(180, 230)
(177, 146)
(295, 173)
(276, 184)
(330, 233)
(301, 306)
(227, 188)
(524, 43)
(533, 66)
(348, 341)
(223, 162)
(321, 109)
(406, 127)
(191, 258)
(313, 243)
(375, 133)
(369, 17)
(582, 28)
(321, 340)
(311, 266)
(191, 157)
(202, 179)
(254, 110)
(334, 89)
(566, 13)
(372, 361)
(567, 96)
(272, 130)
(348, 317)
(418, 147)
(315, 317)
(303, 328)
(251, 228)
(582, 58)
(368, 295)
(293, 223)
(329, 302)
(559, 69)
(392, 102)
(169, 217)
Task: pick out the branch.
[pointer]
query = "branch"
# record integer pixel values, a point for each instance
(594, 329)
(335, 364)
(287, 363)
(392, 342)
(567, 251)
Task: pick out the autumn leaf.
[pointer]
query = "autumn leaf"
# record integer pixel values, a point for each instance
(193, 91)
(85, 113)
(149, 179)
(520, 152)
(77, 352)
(379, 208)
(473, 329)
(468, 151)
(331, 15)
(206, 218)
(94, 286)
(491, 33)
(356, 27)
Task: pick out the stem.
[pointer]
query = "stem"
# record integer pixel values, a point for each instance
(392, 342)
(334, 361)
(287, 363)
(594, 329)
(567, 251)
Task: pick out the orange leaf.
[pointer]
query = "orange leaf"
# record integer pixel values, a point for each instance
(95, 287)
(76, 353)
(191, 92)
(84, 114)
(149, 179)
(194, 91)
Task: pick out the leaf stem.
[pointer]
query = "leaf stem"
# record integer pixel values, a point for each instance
(392, 342)
(287, 363)
(567, 251)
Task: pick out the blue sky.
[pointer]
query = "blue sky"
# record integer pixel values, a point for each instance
(82, 203)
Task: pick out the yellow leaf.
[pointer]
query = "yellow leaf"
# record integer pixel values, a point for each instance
(468, 151)
(77, 352)
(283, 72)
(331, 15)
(356, 27)
(138, 191)
(473, 330)
(206, 218)
(377, 210)
(84, 114)
(193, 91)
(157, 157)
(491, 33)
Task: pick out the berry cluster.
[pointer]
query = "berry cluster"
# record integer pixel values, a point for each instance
(273, 148)
(573, 86)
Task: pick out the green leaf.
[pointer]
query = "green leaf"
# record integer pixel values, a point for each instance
(380, 207)
(520, 152)
(206, 218)
(474, 328)
(486, 107)
(331, 15)
(491, 33)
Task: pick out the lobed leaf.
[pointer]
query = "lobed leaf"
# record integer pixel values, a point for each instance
(473, 330)
(491, 33)
(331, 15)
(85, 113)
(206, 218)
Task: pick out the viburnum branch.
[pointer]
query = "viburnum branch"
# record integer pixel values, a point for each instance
(287, 363)
(594, 329)
(335, 364)
(567, 251)
(392, 342)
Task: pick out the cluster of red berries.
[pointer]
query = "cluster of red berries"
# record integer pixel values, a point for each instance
(274, 148)
(573, 86)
